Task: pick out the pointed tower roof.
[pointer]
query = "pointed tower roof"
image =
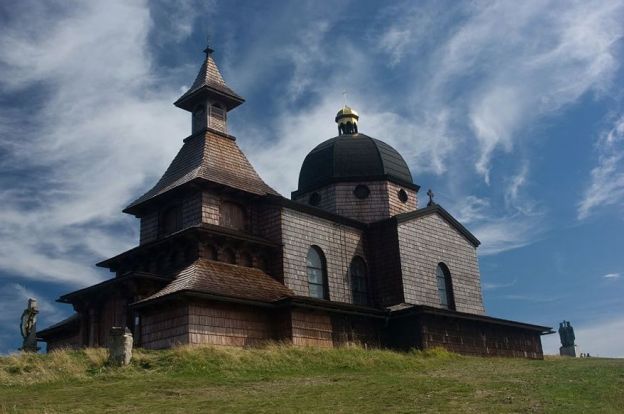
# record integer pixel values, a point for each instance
(209, 82)
(212, 158)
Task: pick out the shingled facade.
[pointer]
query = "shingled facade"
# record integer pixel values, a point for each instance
(223, 259)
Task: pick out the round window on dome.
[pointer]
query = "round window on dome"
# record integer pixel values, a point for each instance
(361, 191)
(403, 196)
(315, 199)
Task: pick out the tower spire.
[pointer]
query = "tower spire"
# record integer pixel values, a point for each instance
(209, 98)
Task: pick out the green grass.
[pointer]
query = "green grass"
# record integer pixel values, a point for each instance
(283, 379)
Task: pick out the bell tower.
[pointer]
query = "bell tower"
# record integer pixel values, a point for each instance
(209, 99)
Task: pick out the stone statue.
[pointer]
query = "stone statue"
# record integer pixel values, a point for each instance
(119, 346)
(566, 334)
(28, 327)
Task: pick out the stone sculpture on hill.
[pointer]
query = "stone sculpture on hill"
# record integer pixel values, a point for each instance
(28, 327)
(566, 334)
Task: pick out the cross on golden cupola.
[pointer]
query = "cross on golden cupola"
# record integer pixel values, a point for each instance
(347, 119)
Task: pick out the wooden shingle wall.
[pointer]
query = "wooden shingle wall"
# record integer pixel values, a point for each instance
(382, 202)
(165, 327)
(228, 324)
(311, 328)
(426, 241)
(339, 243)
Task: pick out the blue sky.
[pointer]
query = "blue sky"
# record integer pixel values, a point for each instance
(510, 111)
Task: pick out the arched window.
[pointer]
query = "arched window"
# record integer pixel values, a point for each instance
(263, 264)
(359, 285)
(445, 287)
(210, 252)
(171, 220)
(232, 215)
(317, 276)
(246, 260)
(228, 256)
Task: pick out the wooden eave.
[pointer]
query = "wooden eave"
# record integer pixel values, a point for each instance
(416, 310)
(199, 229)
(70, 297)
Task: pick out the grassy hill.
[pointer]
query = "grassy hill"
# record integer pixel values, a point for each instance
(282, 379)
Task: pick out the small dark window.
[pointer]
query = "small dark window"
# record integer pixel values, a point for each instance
(171, 220)
(210, 252)
(361, 191)
(199, 111)
(263, 264)
(359, 288)
(315, 199)
(232, 215)
(317, 277)
(403, 196)
(228, 256)
(246, 260)
(445, 287)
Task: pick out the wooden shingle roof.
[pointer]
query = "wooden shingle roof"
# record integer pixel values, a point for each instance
(224, 280)
(211, 157)
(209, 81)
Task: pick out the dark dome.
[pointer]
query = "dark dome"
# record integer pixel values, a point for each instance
(356, 157)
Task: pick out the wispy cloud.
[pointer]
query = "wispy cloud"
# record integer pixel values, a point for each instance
(101, 126)
(606, 186)
(497, 285)
(510, 81)
(532, 298)
(612, 276)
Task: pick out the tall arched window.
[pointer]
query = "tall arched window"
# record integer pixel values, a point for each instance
(445, 287)
(359, 285)
(317, 276)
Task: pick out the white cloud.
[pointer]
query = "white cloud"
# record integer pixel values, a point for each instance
(101, 129)
(516, 62)
(606, 186)
(499, 285)
(612, 276)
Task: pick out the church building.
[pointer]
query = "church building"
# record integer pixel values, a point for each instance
(353, 257)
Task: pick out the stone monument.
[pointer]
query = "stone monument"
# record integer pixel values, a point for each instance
(28, 327)
(120, 346)
(566, 334)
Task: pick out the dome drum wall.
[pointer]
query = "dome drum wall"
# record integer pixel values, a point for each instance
(382, 202)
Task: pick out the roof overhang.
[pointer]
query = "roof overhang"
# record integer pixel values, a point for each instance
(416, 310)
(188, 102)
(72, 296)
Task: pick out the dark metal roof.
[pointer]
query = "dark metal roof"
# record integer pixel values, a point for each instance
(353, 157)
